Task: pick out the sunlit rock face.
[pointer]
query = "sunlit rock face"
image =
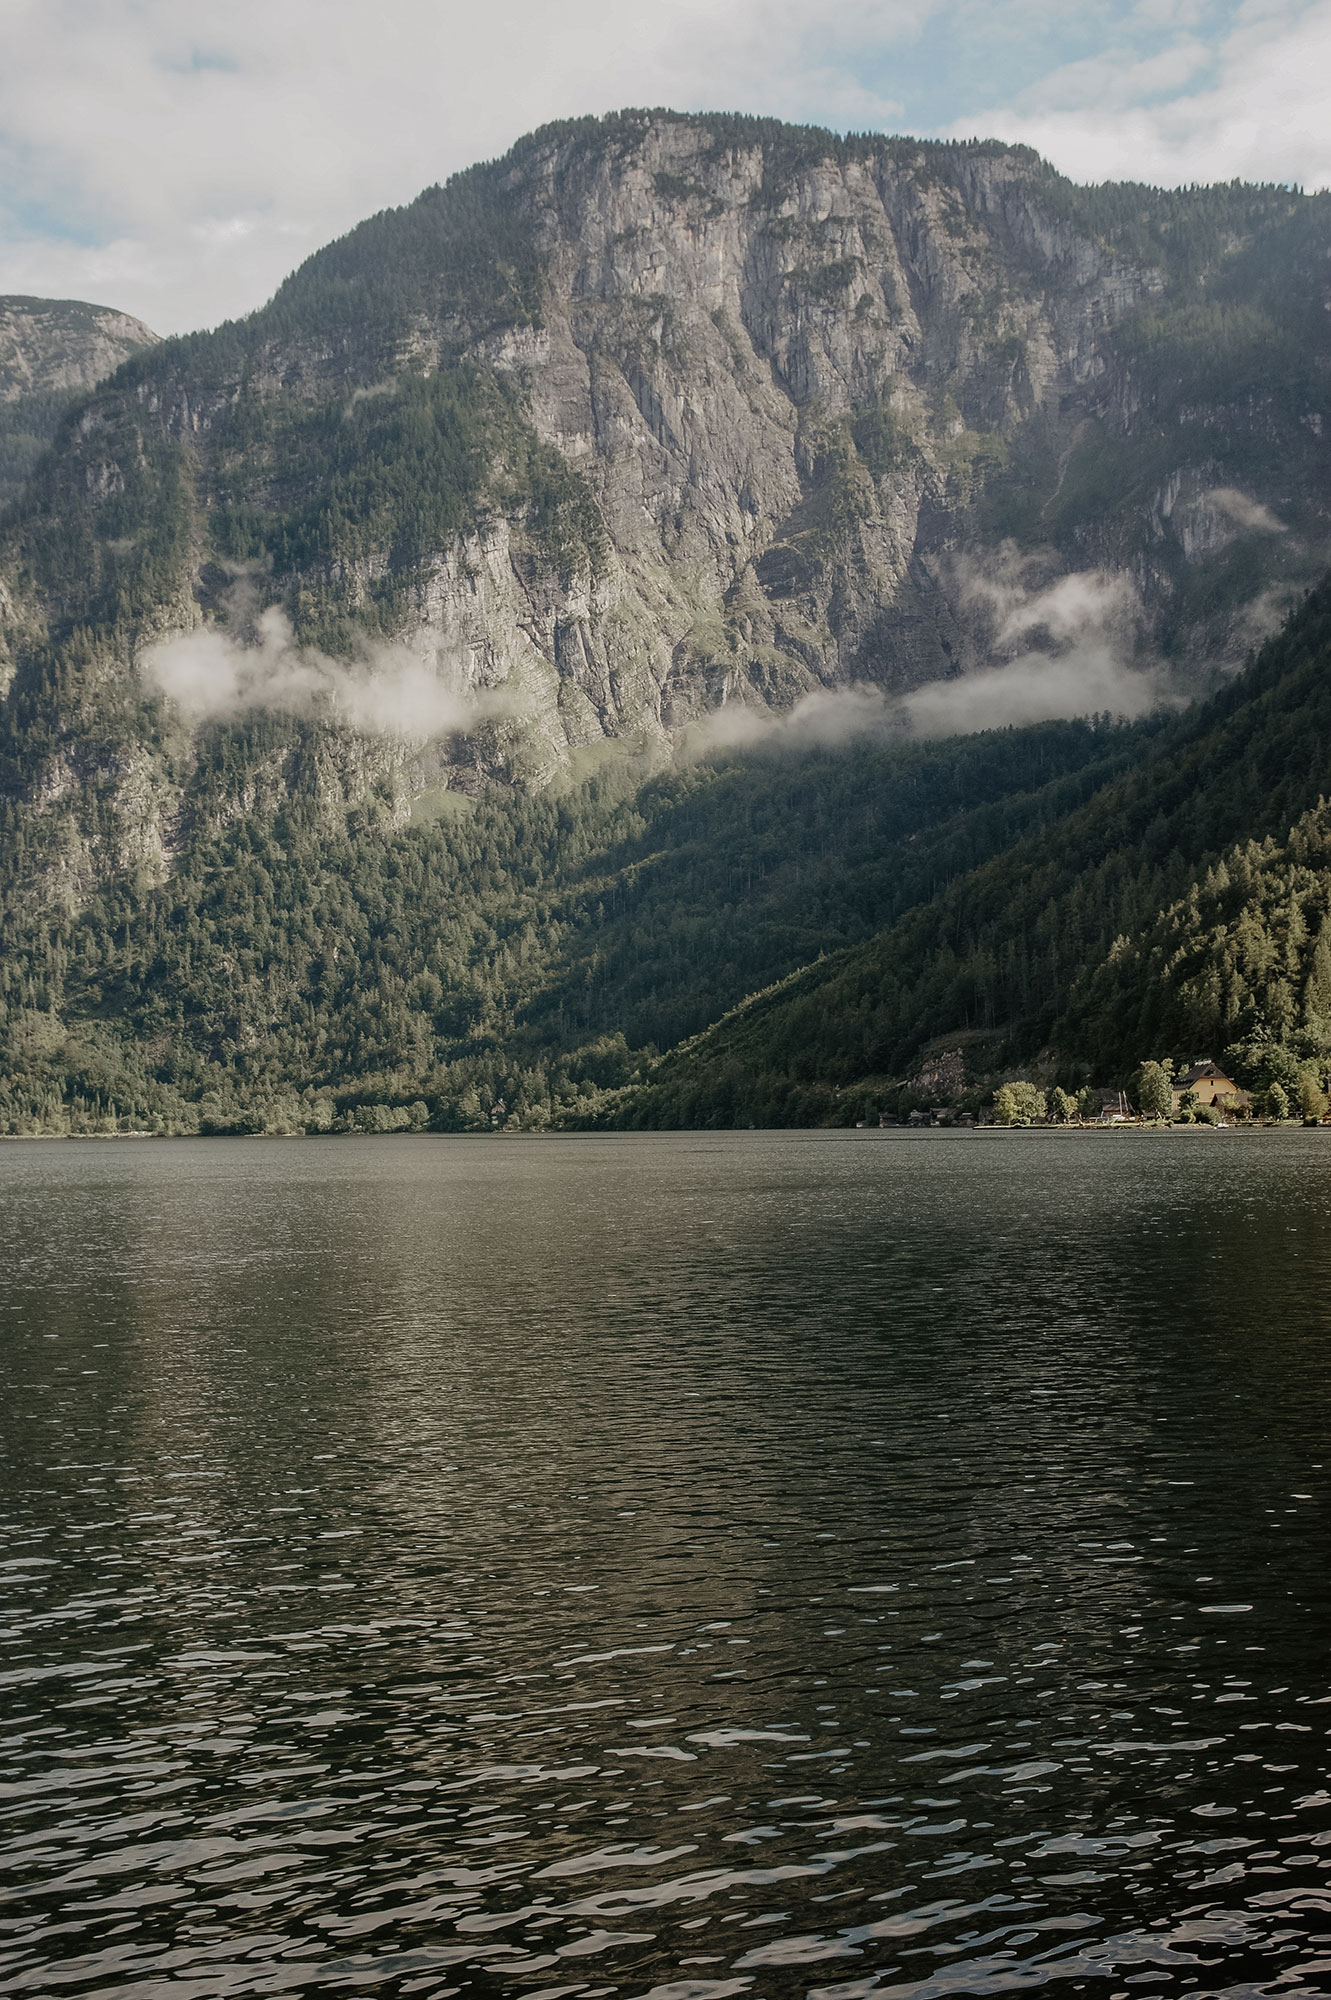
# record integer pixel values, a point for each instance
(787, 387)
(663, 416)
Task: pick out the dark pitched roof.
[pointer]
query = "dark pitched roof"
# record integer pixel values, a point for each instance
(1201, 1069)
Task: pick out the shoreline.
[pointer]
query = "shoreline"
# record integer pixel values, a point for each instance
(683, 1131)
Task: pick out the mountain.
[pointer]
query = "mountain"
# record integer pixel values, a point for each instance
(52, 351)
(1076, 895)
(660, 415)
(376, 672)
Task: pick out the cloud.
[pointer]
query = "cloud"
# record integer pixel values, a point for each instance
(825, 719)
(1038, 687)
(1077, 652)
(1086, 601)
(177, 159)
(1247, 514)
(1075, 644)
(213, 676)
(1247, 100)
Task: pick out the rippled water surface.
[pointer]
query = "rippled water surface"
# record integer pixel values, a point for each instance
(817, 1564)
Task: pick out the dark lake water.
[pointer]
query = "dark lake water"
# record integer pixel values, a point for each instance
(813, 1564)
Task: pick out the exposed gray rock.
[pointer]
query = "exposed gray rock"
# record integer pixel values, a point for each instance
(63, 344)
(841, 410)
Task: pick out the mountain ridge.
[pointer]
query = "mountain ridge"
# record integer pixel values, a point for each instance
(664, 414)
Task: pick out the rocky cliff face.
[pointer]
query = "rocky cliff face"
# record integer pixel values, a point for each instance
(661, 417)
(52, 350)
(786, 388)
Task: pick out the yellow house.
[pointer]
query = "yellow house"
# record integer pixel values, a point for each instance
(1207, 1082)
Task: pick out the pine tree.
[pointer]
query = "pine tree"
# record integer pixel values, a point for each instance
(1317, 990)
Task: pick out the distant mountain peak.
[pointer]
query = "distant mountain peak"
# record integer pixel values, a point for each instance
(52, 350)
(63, 344)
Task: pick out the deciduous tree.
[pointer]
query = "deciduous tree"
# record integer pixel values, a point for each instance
(1017, 1103)
(1154, 1092)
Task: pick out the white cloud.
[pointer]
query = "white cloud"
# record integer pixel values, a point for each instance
(1247, 514)
(1093, 680)
(1093, 601)
(176, 159)
(824, 719)
(1076, 642)
(1077, 645)
(212, 676)
(1251, 105)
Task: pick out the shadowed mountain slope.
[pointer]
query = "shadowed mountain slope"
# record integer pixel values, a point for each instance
(1137, 925)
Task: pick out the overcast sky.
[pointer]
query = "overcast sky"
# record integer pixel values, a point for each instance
(176, 158)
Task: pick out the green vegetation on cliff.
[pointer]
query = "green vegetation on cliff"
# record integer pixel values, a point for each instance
(1107, 893)
(854, 472)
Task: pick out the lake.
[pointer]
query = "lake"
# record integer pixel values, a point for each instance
(821, 1564)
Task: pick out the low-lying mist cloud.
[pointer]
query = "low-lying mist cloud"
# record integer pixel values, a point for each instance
(1249, 516)
(1075, 650)
(211, 675)
(1074, 646)
(1066, 611)
(824, 719)
(1037, 687)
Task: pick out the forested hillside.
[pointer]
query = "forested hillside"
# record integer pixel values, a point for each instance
(1177, 911)
(508, 963)
(1086, 894)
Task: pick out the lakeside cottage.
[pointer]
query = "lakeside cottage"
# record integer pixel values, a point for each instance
(1208, 1083)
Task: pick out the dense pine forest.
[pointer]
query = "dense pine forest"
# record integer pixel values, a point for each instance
(1078, 896)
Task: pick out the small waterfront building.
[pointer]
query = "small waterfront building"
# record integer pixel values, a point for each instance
(1207, 1082)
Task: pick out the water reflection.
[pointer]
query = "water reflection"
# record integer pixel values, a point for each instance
(821, 1564)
